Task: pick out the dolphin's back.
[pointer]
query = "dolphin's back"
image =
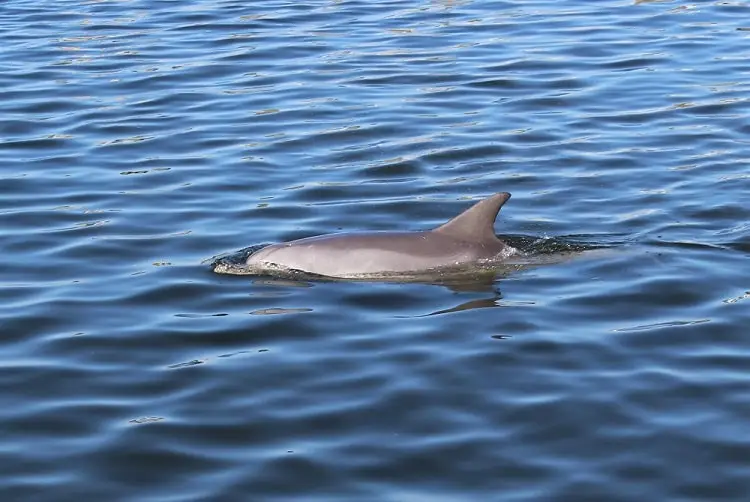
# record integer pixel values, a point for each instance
(465, 239)
(347, 255)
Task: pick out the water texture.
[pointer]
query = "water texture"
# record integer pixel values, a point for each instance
(140, 139)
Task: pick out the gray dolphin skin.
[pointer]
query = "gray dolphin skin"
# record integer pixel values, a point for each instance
(467, 240)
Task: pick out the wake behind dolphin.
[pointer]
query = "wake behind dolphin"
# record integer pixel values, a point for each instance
(464, 244)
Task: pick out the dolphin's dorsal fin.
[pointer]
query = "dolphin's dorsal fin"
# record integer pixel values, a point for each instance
(478, 222)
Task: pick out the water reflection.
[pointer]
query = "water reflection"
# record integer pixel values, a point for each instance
(481, 303)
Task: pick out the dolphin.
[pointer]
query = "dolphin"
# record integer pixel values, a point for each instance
(466, 241)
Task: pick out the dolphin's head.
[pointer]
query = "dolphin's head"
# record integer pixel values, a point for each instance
(236, 263)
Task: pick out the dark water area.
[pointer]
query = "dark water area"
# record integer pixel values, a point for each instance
(141, 139)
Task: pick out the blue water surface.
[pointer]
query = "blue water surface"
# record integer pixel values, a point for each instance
(139, 139)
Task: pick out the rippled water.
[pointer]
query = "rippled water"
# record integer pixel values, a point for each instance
(139, 139)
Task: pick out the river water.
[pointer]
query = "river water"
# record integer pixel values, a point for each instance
(140, 139)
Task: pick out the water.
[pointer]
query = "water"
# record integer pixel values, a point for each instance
(139, 139)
